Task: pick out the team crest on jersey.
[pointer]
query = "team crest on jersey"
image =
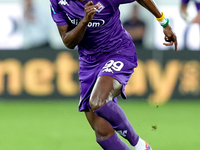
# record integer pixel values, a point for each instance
(100, 7)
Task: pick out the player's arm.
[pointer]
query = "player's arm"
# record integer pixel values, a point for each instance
(170, 37)
(71, 38)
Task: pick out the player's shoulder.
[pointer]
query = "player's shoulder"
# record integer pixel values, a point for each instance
(54, 2)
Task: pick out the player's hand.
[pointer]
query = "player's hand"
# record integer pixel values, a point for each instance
(170, 37)
(90, 10)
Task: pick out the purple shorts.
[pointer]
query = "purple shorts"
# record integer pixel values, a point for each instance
(117, 66)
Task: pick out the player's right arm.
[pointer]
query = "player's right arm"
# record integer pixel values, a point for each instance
(71, 38)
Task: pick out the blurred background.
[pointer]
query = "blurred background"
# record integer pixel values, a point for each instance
(27, 23)
(39, 88)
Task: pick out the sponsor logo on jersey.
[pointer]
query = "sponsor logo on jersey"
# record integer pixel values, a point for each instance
(100, 7)
(63, 2)
(96, 23)
(92, 23)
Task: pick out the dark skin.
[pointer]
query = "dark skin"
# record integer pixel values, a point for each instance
(105, 88)
(170, 37)
(99, 96)
(73, 37)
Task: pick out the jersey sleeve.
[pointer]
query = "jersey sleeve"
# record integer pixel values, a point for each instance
(57, 14)
(185, 1)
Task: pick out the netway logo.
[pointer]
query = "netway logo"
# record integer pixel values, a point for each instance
(92, 23)
(63, 2)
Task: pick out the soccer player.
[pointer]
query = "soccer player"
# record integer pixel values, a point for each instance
(107, 58)
(185, 16)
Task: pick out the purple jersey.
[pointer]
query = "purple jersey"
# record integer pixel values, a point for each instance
(197, 3)
(106, 48)
(104, 33)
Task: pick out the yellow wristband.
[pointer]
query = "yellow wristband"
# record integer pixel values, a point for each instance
(162, 17)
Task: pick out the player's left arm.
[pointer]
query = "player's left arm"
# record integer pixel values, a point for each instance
(170, 36)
